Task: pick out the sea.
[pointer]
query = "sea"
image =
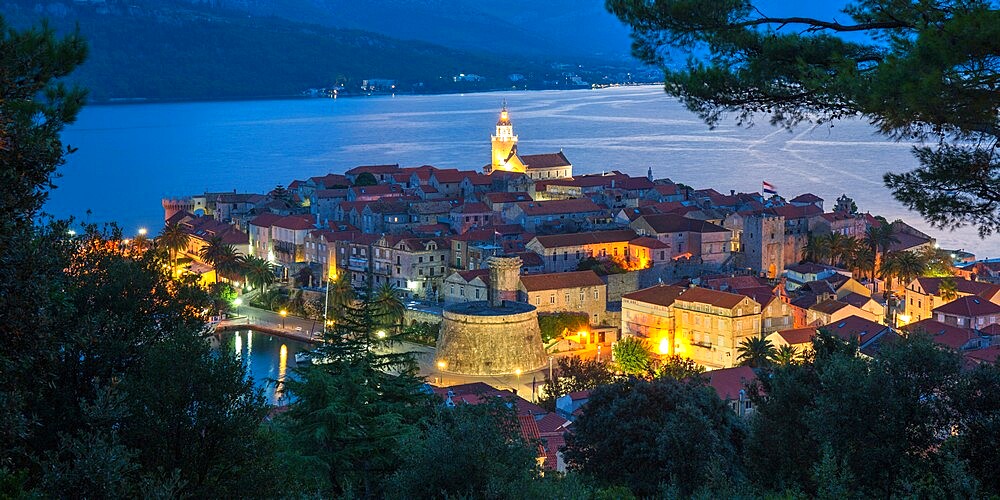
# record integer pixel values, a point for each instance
(130, 156)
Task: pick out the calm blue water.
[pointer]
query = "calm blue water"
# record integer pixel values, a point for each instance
(268, 359)
(131, 156)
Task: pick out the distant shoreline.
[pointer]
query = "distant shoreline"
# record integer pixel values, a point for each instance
(125, 101)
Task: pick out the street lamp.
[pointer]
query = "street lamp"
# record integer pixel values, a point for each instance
(550, 369)
(381, 334)
(238, 302)
(598, 353)
(142, 231)
(283, 313)
(441, 364)
(518, 373)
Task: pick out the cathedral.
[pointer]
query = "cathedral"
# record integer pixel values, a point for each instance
(507, 159)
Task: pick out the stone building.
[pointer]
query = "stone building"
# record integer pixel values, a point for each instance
(764, 244)
(579, 291)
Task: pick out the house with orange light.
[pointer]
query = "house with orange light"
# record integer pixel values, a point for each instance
(563, 252)
(649, 314)
(703, 325)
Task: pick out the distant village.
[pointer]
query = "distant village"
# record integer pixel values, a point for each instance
(693, 272)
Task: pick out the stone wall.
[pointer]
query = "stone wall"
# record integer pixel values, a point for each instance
(410, 316)
(490, 343)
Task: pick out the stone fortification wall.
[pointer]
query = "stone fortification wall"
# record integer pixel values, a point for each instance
(476, 339)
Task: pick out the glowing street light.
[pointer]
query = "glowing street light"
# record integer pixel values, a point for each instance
(71, 232)
(381, 334)
(283, 313)
(142, 231)
(518, 373)
(238, 302)
(441, 364)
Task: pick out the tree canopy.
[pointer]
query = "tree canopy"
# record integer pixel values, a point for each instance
(916, 70)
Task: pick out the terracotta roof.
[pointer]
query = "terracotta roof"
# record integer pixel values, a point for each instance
(666, 189)
(829, 306)
(716, 298)
(555, 207)
(797, 336)
(330, 193)
(476, 207)
(558, 281)
(732, 282)
(295, 222)
(579, 395)
(661, 295)
(987, 355)
(552, 423)
(545, 160)
(907, 241)
(477, 392)
(581, 239)
(451, 175)
(855, 327)
(530, 259)
(674, 223)
(506, 197)
(482, 274)
(806, 268)
(932, 286)
(728, 382)
(969, 306)
(856, 299)
(329, 180)
(647, 242)
(793, 211)
(992, 330)
(951, 336)
(806, 198)
(266, 219)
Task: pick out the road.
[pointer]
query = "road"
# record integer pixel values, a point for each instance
(311, 330)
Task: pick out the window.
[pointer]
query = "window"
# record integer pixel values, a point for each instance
(420, 272)
(538, 300)
(567, 302)
(597, 293)
(565, 255)
(583, 295)
(552, 298)
(420, 260)
(451, 289)
(477, 293)
(461, 291)
(432, 258)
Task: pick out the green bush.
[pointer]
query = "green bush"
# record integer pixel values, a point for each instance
(555, 324)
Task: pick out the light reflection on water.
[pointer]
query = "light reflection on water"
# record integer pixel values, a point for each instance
(267, 358)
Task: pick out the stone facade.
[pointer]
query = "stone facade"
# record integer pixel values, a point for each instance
(477, 339)
(764, 244)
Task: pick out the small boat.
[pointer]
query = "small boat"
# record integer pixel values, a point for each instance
(302, 357)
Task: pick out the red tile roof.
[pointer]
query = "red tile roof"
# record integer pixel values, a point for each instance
(987, 355)
(530, 259)
(855, 327)
(806, 198)
(728, 382)
(557, 207)
(545, 160)
(932, 286)
(295, 222)
(969, 306)
(558, 281)
(951, 336)
(674, 223)
(506, 197)
(647, 242)
(798, 336)
(373, 169)
(582, 239)
(661, 295)
(715, 298)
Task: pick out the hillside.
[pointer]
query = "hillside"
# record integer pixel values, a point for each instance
(172, 49)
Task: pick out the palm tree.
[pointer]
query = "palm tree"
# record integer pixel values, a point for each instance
(948, 290)
(904, 266)
(879, 238)
(862, 260)
(633, 356)
(756, 352)
(785, 355)
(258, 272)
(388, 305)
(342, 293)
(222, 257)
(816, 249)
(174, 238)
(840, 247)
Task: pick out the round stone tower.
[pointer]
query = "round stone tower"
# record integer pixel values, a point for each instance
(495, 337)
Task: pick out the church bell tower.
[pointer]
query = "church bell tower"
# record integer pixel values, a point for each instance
(505, 145)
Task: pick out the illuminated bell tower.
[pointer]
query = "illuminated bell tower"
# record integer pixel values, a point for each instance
(505, 145)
